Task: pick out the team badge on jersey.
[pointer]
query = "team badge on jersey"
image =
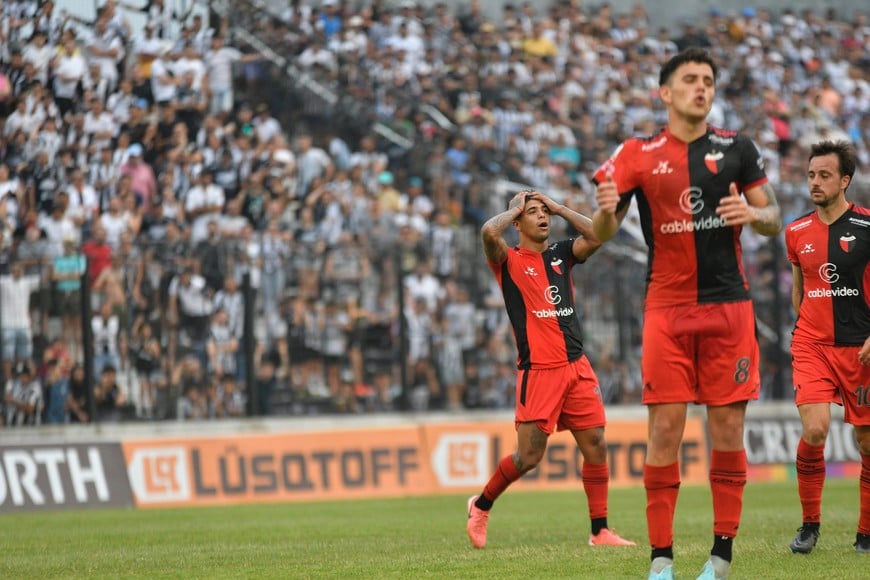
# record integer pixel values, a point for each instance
(712, 160)
(556, 265)
(847, 242)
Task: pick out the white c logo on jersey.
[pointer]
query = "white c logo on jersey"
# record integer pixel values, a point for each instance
(551, 295)
(828, 273)
(690, 200)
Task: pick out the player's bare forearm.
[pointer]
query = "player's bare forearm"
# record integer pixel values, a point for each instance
(588, 242)
(768, 219)
(604, 225)
(797, 291)
(494, 245)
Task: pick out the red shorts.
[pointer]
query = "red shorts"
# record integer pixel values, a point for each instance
(563, 398)
(705, 354)
(832, 374)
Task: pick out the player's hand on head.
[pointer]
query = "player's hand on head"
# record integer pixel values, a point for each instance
(607, 195)
(519, 200)
(547, 201)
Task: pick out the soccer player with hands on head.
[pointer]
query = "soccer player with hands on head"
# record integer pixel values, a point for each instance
(556, 387)
(699, 343)
(829, 249)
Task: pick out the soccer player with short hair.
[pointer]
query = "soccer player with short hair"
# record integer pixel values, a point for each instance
(829, 249)
(699, 343)
(556, 387)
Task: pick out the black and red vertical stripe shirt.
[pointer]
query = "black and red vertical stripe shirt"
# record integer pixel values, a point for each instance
(833, 260)
(539, 298)
(693, 257)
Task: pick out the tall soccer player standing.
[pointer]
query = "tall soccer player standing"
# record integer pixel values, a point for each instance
(830, 254)
(556, 386)
(699, 343)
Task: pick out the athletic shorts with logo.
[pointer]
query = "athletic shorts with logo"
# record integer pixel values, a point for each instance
(825, 373)
(562, 398)
(705, 353)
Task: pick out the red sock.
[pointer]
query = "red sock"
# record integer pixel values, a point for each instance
(504, 475)
(662, 487)
(810, 467)
(727, 480)
(864, 519)
(595, 480)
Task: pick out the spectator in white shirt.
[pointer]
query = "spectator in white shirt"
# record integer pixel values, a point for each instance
(69, 71)
(163, 78)
(219, 66)
(106, 50)
(265, 125)
(204, 203)
(38, 53)
(15, 290)
(99, 126)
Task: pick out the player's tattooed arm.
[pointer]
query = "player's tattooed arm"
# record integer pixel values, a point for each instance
(768, 219)
(494, 246)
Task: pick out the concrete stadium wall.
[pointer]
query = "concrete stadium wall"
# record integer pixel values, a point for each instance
(169, 464)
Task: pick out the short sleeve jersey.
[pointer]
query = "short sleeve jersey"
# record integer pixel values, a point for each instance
(833, 260)
(693, 257)
(539, 298)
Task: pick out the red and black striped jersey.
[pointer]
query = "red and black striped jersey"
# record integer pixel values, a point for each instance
(539, 297)
(693, 257)
(834, 261)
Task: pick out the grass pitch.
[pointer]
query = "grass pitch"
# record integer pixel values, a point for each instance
(531, 534)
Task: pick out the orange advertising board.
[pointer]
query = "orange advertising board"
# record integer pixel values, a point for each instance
(278, 467)
(373, 462)
(463, 456)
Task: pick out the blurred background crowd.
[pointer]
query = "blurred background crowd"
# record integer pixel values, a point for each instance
(238, 209)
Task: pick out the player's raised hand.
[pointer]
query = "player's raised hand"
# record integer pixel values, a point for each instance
(607, 195)
(519, 200)
(734, 209)
(546, 200)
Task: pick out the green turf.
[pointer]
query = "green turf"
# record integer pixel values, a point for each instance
(532, 535)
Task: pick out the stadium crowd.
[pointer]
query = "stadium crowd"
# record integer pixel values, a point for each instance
(181, 170)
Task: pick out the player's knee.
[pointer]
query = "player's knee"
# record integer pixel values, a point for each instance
(528, 459)
(863, 439)
(816, 433)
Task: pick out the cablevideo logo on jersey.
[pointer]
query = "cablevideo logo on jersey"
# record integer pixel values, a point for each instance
(552, 296)
(828, 273)
(692, 203)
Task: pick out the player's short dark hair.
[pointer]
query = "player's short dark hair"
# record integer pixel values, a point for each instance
(691, 54)
(844, 151)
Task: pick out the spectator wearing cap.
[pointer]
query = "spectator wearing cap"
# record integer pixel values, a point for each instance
(142, 178)
(23, 399)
